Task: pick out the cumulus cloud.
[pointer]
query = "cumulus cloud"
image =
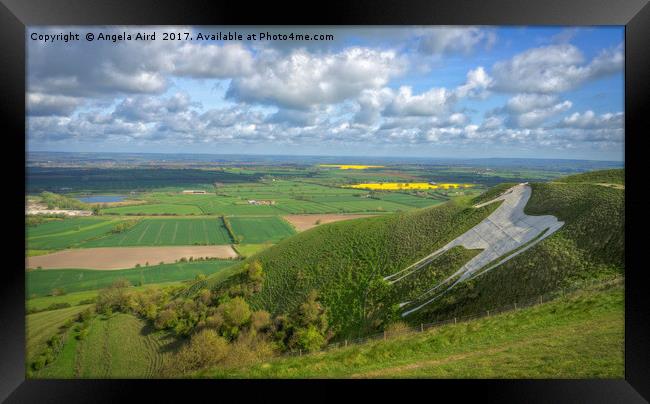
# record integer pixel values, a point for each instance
(39, 104)
(301, 79)
(450, 40)
(435, 101)
(589, 120)
(476, 85)
(553, 69)
(531, 110)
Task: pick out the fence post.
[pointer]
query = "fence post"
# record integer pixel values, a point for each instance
(421, 327)
(454, 320)
(515, 305)
(488, 313)
(384, 335)
(346, 342)
(300, 352)
(540, 299)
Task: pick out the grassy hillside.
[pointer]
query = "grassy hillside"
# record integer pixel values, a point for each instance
(616, 176)
(590, 245)
(346, 261)
(580, 336)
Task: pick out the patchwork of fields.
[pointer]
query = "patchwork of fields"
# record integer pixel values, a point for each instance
(289, 197)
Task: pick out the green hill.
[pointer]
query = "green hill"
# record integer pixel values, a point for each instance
(615, 176)
(346, 261)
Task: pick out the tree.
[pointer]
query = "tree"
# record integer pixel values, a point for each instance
(114, 297)
(235, 312)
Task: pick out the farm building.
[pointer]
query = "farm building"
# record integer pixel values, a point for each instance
(195, 191)
(261, 202)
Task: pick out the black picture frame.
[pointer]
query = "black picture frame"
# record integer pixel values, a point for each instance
(16, 15)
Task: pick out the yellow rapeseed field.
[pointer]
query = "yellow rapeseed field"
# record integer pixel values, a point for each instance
(349, 166)
(399, 186)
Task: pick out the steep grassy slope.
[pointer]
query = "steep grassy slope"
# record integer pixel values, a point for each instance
(346, 262)
(590, 245)
(580, 336)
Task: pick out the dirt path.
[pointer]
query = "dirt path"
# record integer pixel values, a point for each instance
(110, 258)
(306, 222)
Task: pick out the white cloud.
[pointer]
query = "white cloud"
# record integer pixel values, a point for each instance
(39, 104)
(301, 79)
(553, 69)
(478, 81)
(532, 110)
(589, 120)
(436, 101)
(449, 40)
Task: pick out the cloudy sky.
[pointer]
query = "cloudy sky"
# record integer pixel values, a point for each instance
(394, 91)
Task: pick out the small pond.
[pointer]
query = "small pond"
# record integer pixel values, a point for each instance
(102, 198)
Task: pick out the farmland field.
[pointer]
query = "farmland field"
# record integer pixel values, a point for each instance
(112, 258)
(58, 234)
(152, 209)
(253, 230)
(168, 231)
(41, 282)
(118, 346)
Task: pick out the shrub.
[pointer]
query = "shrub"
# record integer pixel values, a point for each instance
(260, 320)
(309, 339)
(206, 348)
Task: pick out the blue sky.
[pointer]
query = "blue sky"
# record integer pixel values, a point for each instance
(546, 92)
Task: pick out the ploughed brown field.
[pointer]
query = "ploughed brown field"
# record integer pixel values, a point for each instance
(306, 222)
(125, 257)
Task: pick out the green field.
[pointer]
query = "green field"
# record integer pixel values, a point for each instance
(255, 230)
(155, 209)
(581, 336)
(118, 346)
(168, 231)
(59, 234)
(42, 282)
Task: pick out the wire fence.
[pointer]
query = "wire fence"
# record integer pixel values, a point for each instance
(541, 299)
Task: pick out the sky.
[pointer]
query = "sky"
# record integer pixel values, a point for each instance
(456, 91)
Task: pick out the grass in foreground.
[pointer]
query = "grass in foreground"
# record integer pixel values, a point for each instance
(581, 336)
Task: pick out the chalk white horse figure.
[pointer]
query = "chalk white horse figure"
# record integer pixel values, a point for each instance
(505, 230)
